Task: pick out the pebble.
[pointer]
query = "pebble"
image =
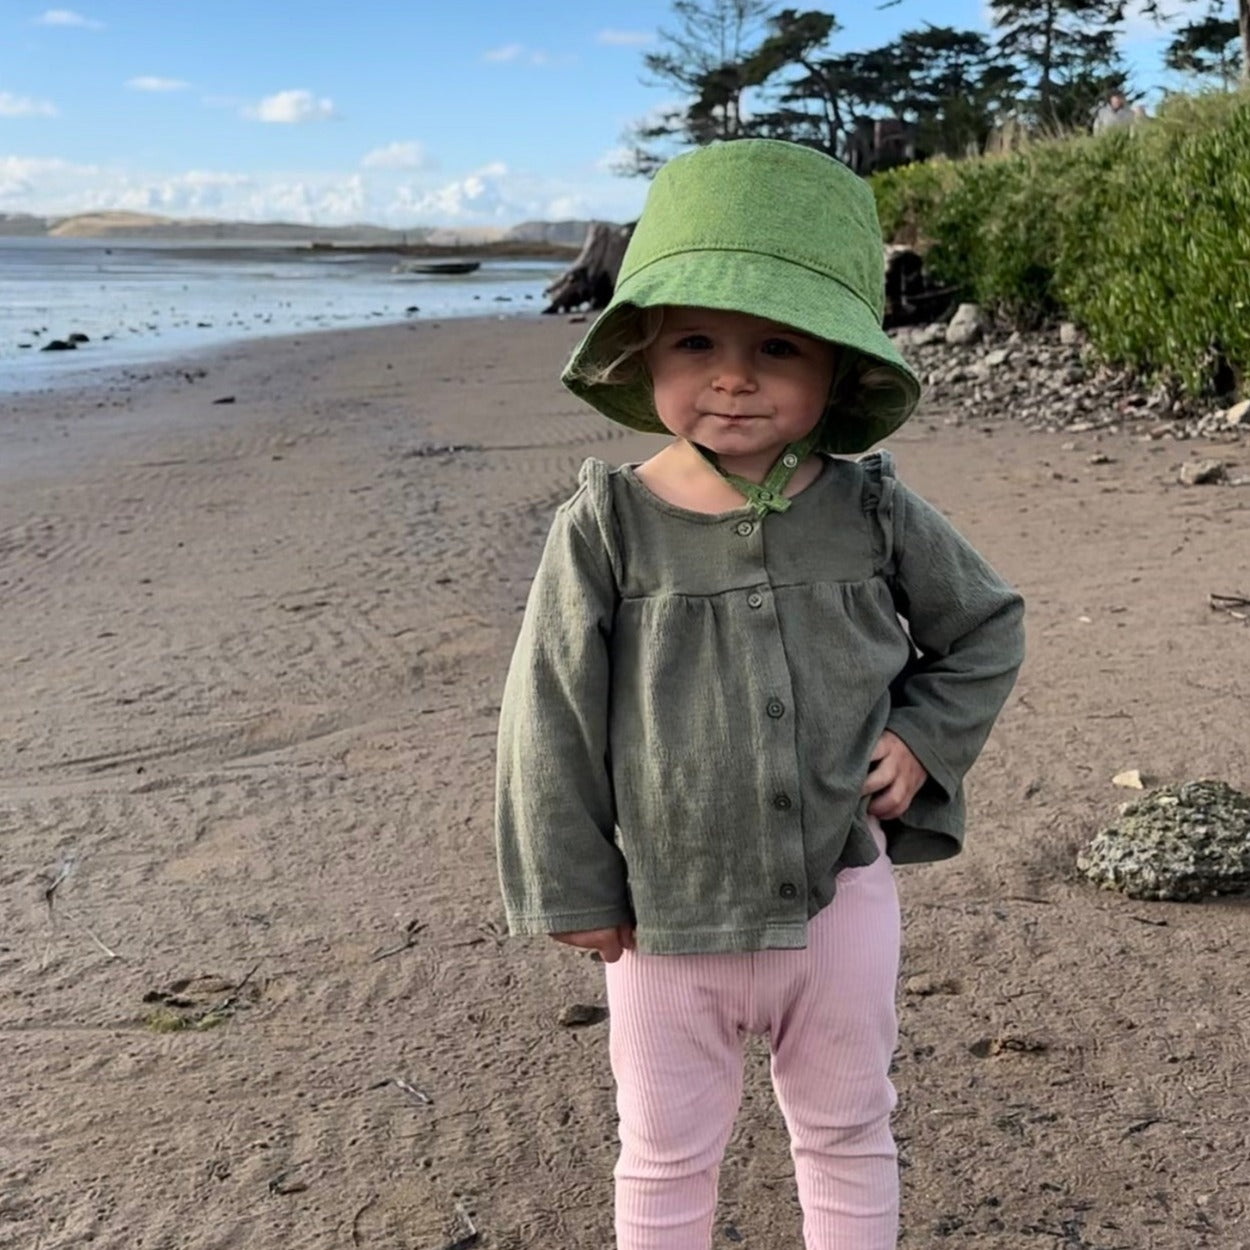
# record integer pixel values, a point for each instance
(576, 1015)
(1202, 472)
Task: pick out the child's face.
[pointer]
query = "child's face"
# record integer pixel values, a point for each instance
(737, 384)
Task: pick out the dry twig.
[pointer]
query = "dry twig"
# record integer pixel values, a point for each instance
(63, 872)
(1230, 604)
(411, 932)
(413, 1092)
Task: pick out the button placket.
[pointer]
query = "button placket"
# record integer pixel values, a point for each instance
(787, 868)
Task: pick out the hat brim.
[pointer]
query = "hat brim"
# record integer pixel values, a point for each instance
(763, 286)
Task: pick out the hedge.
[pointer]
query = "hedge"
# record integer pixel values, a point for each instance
(1140, 235)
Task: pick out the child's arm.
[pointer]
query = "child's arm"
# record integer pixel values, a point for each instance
(559, 868)
(968, 624)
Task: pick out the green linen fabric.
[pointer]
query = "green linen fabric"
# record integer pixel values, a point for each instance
(693, 702)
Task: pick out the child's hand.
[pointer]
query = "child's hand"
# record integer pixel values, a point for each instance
(608, 942)
(894, 778)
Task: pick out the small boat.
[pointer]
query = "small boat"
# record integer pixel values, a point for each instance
(437, 266)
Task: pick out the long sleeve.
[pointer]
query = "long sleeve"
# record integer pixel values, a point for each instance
(968, 625)
(559, 867)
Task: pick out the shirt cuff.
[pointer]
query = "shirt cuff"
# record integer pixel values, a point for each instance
(904, 725)
(546, 923)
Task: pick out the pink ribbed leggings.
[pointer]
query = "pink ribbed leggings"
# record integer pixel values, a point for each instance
(677, 1023)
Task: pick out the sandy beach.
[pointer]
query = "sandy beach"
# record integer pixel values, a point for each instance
(250, 660)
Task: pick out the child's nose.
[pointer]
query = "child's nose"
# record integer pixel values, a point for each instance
(734, 374)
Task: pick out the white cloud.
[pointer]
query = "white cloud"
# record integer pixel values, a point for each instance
(25, 179)
(67, 17)
(396, 156)
(23, 106)
(614, 158)
(492, 194)
(509, 52)
(291, 108)
(518, 52)
(625, 38)
(564, 207)
(147, 82)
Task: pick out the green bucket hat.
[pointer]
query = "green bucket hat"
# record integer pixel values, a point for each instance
(776, 230)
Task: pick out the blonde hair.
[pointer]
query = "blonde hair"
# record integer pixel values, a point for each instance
(631, 330)
(626, 336)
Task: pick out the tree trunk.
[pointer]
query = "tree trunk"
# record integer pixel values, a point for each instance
(1243, 20)
(1047, 55)
(591, 278)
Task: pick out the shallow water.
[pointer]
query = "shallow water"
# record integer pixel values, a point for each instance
(143, 302)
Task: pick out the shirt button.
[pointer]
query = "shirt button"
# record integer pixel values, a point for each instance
(790, 460)
(745, 528)
(782, 802)
(755, 599)
(776, 709)
(788, 891)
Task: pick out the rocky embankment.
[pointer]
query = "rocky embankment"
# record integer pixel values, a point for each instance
(1051, 380)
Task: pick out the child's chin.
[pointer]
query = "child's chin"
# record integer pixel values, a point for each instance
(740, 441)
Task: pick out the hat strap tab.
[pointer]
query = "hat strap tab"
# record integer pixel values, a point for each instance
(769, 495)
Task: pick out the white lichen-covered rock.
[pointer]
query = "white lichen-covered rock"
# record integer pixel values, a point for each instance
(1181, 842)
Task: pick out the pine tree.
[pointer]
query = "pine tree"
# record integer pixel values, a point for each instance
(1209, 46)
(707, 57)
(1201, 47)
(1070, 45)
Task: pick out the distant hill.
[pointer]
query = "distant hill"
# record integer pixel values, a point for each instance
(188, 229)
(119, 225)
(564, 233)
(23, 224)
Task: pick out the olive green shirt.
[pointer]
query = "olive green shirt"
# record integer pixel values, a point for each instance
(694, 700)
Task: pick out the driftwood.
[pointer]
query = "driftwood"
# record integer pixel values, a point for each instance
(912, 297)
(591, 278)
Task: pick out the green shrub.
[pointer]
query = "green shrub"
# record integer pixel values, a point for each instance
(1167, 289)
(1141, 236)
(908, 196)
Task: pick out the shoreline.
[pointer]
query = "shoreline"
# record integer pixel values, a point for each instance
(79, 308)
(83, 376)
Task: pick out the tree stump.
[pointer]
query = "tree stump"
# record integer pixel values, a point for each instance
(912, 297)
(591, 278)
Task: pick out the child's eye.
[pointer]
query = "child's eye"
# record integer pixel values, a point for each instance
(693, 343)
(780, 347)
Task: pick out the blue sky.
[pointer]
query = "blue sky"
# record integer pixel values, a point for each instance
(408, 112)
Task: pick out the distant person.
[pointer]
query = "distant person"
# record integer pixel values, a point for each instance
(1115, 112)
(714, 740)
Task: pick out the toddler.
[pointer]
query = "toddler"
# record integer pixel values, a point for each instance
(717, 735)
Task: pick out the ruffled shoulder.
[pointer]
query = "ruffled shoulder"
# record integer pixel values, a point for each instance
(592, 507)
(878, 499)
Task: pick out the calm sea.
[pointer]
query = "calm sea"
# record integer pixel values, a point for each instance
(142, 302)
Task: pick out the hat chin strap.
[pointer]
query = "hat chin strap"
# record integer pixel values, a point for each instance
(769, 495)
